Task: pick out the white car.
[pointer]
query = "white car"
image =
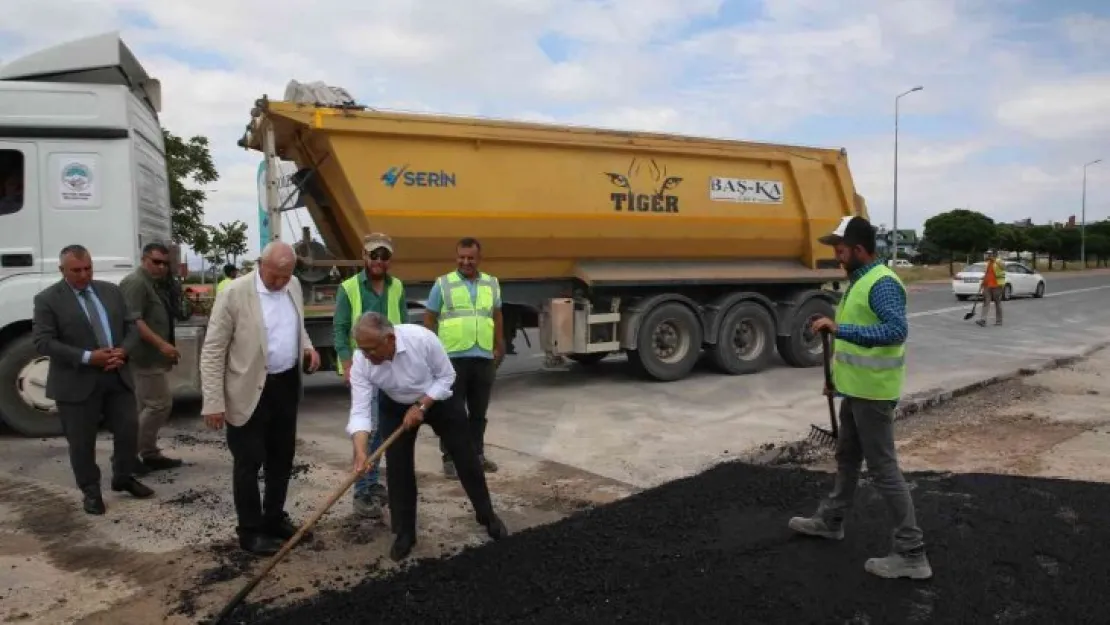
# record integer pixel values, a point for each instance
(1020, 281)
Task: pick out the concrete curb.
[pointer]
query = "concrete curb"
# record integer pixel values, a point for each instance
(919, 402)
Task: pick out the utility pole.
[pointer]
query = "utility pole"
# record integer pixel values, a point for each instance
(894, 231)
(1083, 218)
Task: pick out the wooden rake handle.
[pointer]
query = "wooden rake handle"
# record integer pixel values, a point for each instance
(292, 542)
(826, 360)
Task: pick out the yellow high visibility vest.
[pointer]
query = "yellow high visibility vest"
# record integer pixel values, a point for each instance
(464, 323)
(394, 305)
(867, 372)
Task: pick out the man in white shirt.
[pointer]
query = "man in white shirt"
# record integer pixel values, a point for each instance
(408, 365)
(250, 369)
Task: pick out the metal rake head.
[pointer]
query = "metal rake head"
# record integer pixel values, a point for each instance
(821, 437)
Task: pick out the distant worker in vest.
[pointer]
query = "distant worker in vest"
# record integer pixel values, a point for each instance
(994, 284)
(370, 290)
(230, 273)
(464, 307)
(868, 371)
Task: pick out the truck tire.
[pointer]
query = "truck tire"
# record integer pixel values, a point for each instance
(588, 360)
(23, 403)
(745, 340)
(802, 348)
(669, 343)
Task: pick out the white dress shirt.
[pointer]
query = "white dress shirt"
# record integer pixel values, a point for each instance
(283, 328)
(419, 367)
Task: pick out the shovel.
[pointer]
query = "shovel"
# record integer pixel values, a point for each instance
(277, 557)
(971, 314)
(819, 435)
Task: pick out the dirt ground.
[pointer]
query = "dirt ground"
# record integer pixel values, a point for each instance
(173, 560)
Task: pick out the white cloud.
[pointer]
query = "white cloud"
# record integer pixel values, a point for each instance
(1003, 124)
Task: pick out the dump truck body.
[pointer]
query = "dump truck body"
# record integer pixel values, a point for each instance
(546, 201)
(661, 246)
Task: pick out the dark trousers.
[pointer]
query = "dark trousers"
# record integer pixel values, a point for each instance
(450, 425)
(112, 403)
(267, 441)
(470, 393)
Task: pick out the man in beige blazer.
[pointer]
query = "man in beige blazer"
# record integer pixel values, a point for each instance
(250, 369)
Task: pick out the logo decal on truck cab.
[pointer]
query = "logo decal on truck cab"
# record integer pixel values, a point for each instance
(645, 187)
(407, 178)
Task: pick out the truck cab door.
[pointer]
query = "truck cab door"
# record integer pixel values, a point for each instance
(20, 214)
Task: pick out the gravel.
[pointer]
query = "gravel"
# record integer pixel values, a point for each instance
(714, 548)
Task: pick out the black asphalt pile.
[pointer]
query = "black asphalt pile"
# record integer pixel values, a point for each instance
(714, 548)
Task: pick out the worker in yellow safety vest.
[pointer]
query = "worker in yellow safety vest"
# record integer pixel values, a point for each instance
(230, 273)
(868, 371)
(371, 290)
(464, 308)
(993, 287)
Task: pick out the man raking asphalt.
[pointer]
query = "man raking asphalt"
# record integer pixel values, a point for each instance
(868, 372)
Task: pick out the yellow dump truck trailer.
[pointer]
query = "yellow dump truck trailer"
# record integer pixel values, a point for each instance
(658, 245)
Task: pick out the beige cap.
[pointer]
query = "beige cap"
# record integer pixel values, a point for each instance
(374, 240)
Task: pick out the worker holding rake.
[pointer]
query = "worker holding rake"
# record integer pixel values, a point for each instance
(868, 371)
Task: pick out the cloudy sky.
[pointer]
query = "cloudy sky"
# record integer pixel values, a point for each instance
(1016, 92)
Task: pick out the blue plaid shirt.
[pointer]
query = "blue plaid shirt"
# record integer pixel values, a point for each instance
(888, 302)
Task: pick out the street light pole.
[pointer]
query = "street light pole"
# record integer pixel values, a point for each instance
(1083, 218)
(894, 232)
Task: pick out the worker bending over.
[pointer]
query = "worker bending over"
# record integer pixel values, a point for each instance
(408, 367)
(371, 290)
(465, 307)
(868, 370)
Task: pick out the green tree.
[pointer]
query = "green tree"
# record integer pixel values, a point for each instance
(961, 231)
(1098, 245)
(190, 165)
(1012, 239)
(232, 240)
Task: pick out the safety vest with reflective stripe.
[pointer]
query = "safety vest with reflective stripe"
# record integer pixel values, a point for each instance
(867, 372)
(222, 284)
(394, 305)
(999, 273)
(464, 323)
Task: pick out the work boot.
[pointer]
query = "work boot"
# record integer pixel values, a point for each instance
(816, 526)
(489, 466)
(368, 504)
(982, 323)
(449, 469)
(998, 322)
(896, 565)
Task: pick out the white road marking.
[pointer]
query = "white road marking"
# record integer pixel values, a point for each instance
(941, 311)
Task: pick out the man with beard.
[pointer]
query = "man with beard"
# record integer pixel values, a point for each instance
(868, 370)
(370, 290)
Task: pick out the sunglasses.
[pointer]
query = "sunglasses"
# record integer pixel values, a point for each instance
(379, 255)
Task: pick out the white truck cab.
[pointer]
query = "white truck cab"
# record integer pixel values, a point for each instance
(81, 161)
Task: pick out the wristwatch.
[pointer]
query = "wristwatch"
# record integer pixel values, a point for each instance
(420, 407)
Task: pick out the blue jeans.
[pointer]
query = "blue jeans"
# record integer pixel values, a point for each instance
(370, 478)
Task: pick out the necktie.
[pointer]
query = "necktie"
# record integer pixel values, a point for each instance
(94, 319)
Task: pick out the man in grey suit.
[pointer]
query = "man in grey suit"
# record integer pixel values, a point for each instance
(83, 326)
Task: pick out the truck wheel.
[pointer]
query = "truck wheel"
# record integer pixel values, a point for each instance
(802, 348)
(745, 341)
(587, 360)
(23, 401)
(669, 343)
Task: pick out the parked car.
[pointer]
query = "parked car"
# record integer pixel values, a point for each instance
(900, 263)
(1020, 281)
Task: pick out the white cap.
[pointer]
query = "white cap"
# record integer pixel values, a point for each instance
(837, 235)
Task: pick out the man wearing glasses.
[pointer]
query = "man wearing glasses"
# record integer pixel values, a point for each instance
(144, 291)
(370, 290)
